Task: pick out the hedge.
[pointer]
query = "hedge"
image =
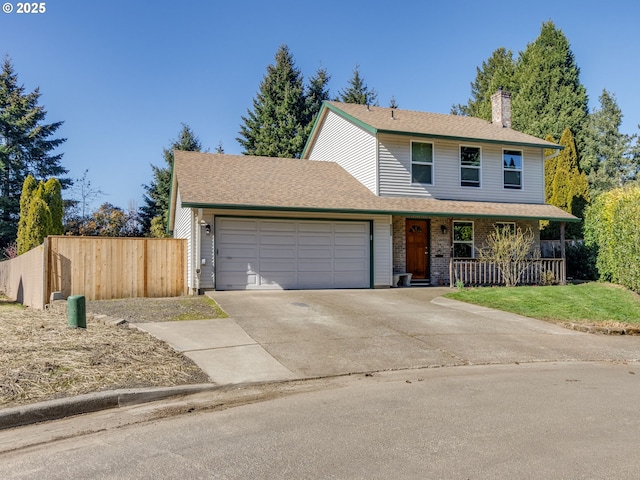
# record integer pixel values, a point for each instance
(612, 224)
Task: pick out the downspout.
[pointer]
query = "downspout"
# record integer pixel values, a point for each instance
(198, 250)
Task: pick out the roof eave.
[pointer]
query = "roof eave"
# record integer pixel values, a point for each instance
(470, 139)
(360, 211)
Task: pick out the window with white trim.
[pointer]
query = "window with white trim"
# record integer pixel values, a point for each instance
(512, 169)
(422, 163)
(463, 239)
(470, 162)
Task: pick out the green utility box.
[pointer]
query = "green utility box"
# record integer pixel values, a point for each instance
(77, 311)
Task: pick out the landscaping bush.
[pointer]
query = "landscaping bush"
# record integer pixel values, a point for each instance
(612, 225)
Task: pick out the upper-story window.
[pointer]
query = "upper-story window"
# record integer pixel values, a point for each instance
(422, 163)
(512, 168)
(470, 160)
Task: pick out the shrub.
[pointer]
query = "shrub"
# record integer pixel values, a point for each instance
(511, 251)
(612, 225)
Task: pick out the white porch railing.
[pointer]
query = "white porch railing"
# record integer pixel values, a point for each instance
(474, 272)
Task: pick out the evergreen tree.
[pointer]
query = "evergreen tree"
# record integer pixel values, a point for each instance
(26, 147)
(608, 160)
(52, 196)
(496, 72)
(357, 91)
(549, 97)
(276, 127)
(41, 212)
(29, 188)
(316, 93)
(551, 160)
(569, 189)
(38, 221)
(156, 209)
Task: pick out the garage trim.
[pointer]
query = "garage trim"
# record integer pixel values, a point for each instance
(369, 222)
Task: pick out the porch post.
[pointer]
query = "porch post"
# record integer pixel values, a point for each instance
(563, 254)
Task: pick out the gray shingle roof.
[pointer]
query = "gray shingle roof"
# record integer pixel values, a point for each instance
(207, 180)
(435, 125)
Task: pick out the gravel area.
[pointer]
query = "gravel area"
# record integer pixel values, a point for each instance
(137, 310)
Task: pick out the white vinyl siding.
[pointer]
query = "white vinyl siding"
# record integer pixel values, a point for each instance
(395, 172)
(348, 145)
(382, 252)
(183, 228)
(206, 254)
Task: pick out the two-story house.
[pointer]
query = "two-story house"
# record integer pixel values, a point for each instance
(377, 191)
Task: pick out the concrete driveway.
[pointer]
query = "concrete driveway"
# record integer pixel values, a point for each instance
(332, 332)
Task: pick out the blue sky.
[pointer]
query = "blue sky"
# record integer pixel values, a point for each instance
(124, 75)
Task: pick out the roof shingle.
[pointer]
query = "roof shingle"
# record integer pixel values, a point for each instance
(207, 180)
(436, 125)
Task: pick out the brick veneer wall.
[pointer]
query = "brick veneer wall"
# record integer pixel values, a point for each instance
(440, 244)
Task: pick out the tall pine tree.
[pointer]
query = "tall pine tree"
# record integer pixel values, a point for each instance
(358, 91)
(608, 160)
(569, 189)
(496, 72)
(316, 93)
(549, 97)
(276, 126)
(154, 213)
(26, 147)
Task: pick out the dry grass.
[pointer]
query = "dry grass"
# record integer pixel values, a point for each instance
(41, 358)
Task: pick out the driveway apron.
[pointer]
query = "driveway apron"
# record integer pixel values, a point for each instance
(332, 332)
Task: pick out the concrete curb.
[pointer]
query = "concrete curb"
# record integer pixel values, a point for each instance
(92, 402)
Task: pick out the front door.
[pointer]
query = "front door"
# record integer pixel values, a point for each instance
(418, 248)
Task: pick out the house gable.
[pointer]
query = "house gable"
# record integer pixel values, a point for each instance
(394, 131)
(340, 135)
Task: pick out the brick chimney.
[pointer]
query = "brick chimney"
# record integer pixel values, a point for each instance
(501, 108)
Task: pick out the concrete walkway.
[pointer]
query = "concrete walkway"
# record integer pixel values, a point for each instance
(221, 348)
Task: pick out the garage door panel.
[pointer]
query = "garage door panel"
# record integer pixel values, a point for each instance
(350, 252)
(269, 254)
(310, 252)
(277, 239)
(316, 227)
(277, 226)
(351, 227)
(239, 280)
(315, 265)
(277, 265)
(275, 252)
(230, 224)
(316, 280)
(359, 266)
(278, 279)
(347, 279)
(306, 239)
(239, 238)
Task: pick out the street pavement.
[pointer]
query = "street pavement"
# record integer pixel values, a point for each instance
(559, 420)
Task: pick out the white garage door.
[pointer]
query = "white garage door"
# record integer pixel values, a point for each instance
(291, 254)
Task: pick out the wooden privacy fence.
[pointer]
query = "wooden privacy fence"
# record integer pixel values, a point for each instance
(99, 268)
(476, 272)
(106, 268)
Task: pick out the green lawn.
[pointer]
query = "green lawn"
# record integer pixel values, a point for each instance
(593, 303)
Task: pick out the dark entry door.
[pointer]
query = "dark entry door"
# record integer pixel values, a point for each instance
(418, 248)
